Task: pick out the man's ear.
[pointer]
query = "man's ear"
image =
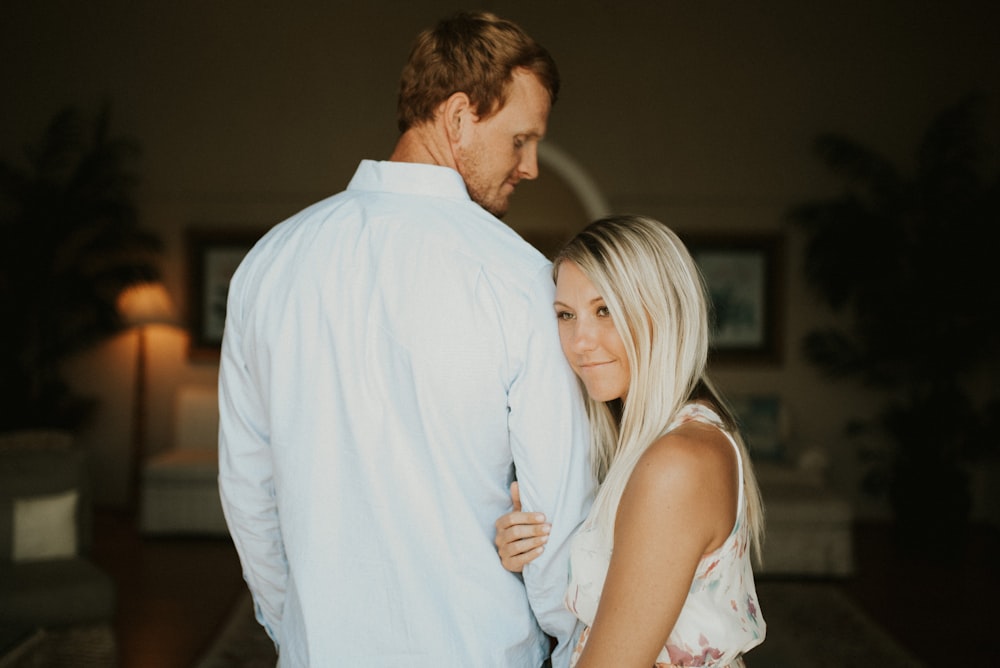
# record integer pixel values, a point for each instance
(457, 113)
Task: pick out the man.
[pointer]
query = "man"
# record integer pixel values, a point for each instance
(390, 360)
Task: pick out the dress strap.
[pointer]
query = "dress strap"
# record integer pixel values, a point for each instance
(699, 412)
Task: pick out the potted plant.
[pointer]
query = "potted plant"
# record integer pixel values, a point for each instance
(71, 243)
(910, 261)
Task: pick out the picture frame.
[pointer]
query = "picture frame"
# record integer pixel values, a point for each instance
(213, 254)
(761, 420)
(743, 274)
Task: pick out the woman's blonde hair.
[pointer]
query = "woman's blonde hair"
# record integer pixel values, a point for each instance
(657, 299)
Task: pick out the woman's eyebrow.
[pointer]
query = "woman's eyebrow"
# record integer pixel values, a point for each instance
(592, 301)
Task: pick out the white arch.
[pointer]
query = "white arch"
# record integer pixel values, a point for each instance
(584, 187)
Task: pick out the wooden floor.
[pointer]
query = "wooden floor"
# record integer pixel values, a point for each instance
(174, 594)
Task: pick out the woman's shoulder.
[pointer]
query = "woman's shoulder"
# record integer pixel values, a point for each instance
(691, 455)
(683, 483)
(692, 470)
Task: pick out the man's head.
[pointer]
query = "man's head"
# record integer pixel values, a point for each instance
(488, 88)
(475, 53)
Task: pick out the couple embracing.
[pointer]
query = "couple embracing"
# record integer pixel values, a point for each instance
(394, 356)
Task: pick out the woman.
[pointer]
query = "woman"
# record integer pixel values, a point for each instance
(660, 570)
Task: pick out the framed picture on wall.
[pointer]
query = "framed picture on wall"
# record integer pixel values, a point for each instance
(213, 256)
(743, 274)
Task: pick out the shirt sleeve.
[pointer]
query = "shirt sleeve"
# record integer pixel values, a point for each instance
(246, 485)
(549, 437)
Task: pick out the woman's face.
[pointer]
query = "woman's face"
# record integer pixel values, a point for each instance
(588, 336)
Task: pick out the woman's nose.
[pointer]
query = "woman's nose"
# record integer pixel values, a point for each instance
(583, 337)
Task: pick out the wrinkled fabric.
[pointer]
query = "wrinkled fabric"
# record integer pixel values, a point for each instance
(390, 356)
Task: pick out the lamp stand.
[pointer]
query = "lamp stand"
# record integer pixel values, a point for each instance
(138, 450)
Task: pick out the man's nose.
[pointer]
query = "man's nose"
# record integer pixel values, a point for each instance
(528, 167)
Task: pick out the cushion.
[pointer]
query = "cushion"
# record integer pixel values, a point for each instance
(34, 471)
(45, 527)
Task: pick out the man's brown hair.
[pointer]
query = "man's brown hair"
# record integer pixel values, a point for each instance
(474, 53)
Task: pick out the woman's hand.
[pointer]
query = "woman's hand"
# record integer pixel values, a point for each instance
(521, 537)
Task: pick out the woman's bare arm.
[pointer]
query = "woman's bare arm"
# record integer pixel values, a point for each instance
(679, 504)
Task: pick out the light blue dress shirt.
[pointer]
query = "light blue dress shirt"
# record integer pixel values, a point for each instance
(390, 357)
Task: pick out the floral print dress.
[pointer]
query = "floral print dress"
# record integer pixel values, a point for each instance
(721, 618)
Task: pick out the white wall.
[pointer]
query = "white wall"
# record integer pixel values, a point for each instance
(700, 114)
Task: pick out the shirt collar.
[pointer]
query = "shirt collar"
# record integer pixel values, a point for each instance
(409, 178)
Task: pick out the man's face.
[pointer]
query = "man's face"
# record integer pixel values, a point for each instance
(495, 153)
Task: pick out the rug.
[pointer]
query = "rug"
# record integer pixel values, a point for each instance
(809, 625)
(816, 625)
(242, 643)
(86, 646)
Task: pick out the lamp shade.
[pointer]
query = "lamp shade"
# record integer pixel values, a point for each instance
(145, 304)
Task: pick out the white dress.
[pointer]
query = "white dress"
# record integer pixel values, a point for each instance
(721, 618)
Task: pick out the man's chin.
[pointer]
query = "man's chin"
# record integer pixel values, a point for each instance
(499, 210)
(497, 203)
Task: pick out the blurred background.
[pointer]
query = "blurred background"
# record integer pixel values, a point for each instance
(704, 115)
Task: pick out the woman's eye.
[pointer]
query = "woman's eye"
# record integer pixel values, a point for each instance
(518, 142)
(564, 315)
(603, 311)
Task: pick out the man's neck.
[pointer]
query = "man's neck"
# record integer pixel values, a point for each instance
(423, 144)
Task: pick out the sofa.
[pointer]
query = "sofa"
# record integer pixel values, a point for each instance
(808, 524)
(179, 487)
(48, 584)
